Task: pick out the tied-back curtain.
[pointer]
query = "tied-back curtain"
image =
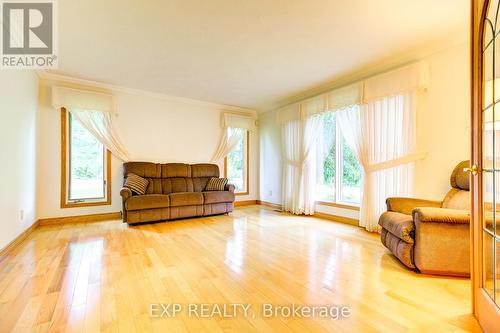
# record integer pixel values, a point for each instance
(234, 127)
(100, 125)
(227, 142)
(300, 127)
(382, 134)
(95, 112)
(299, 165)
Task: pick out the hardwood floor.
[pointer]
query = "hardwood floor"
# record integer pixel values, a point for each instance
(105, 276)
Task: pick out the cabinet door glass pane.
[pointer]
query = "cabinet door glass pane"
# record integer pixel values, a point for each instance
(488, 264)
(488, 76)
(488, 215)
(497, 271)
(492, 11)
(488, 138)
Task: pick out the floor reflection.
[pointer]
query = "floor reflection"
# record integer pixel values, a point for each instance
(235, 246)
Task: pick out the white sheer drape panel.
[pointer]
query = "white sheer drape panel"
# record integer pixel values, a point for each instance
(100, 125)
(299, 165)
(311, 133)
(349, 120)
(227, 142)
(291, 134)
(382, 134)
(95, 112)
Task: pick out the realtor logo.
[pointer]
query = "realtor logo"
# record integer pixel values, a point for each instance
(28, 34)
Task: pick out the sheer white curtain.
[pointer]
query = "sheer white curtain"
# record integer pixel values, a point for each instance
(100, 125)
(95, 112)
(377, 118)
(227, 142)
(291, 136)
(299, 164)
(234, 127)
(382, 133)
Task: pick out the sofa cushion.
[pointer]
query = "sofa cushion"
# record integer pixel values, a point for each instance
(136, 183)
(457, 199)
(399, 225)
(143, 169)
(171, 170)
(401, 249)
(204, 170)
(185, 199)
(217, 197)
(147, 201)
(459, 177)
(176, 184)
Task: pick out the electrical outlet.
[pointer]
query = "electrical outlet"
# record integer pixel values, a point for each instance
(21, 214)
(270, 193)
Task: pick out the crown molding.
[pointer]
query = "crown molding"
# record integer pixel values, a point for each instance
(97, 86)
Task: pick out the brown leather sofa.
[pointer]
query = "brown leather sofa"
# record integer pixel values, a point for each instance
(175, 190)
(432, 236)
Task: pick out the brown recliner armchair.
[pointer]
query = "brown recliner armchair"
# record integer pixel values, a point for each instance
(431, 236)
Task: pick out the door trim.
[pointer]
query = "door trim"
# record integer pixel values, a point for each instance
(483, 307)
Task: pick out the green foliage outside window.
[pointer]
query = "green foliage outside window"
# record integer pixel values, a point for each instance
(349, 167)
(351, 174)
(329, 129)
(86, 153)
(235, 165)
(235, 161)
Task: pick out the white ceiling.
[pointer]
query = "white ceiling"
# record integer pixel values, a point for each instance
(249, 53)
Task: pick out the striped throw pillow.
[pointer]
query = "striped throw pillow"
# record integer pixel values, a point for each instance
(216, 184)
(136, 183)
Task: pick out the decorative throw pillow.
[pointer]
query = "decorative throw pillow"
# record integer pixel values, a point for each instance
(216, 184)
(136, 183)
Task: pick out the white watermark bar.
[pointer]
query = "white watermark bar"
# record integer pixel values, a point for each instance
(234, 310)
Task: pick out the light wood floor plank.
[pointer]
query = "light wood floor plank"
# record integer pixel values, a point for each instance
(104, 277)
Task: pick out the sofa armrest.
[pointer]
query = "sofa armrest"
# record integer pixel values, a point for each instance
(125, 193)
(441, 215)
(406, 205)
(229, 187)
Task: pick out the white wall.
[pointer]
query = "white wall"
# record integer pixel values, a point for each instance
(270, 158)
(18, 149)
(443, 121)
(153, 127)
(442, 131)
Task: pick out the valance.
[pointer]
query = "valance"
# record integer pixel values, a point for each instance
(405, 79)
(313, 106)
(234, 120)
(333, 100)
(402, 80)
(83, 100)
(288, 113)
(346, 96)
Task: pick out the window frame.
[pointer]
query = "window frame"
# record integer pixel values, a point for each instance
(339, 171)
(65, 169)
(247, 187)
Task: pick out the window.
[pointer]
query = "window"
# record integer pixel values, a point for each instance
(236, 164)
(85, 166)
(339, 175)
